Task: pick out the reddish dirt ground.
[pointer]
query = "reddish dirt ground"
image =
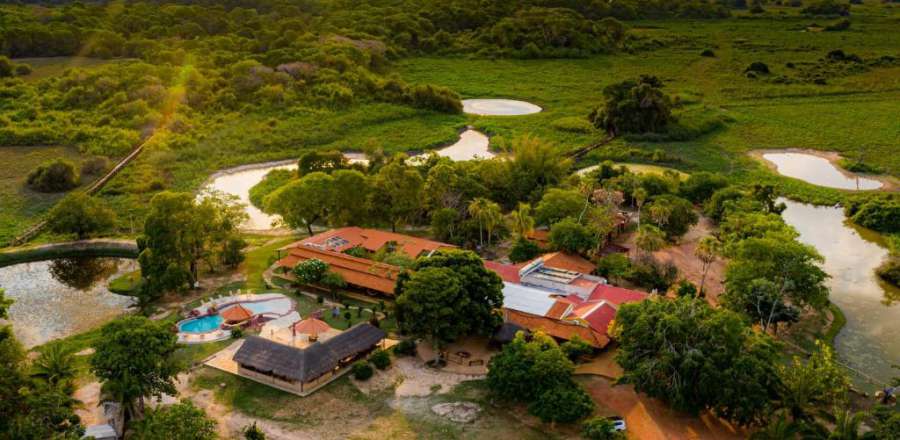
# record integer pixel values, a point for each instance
(689, 266)
(650, 419)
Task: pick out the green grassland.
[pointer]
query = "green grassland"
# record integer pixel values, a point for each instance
(727, 113)
(20, 205)
(853, 114)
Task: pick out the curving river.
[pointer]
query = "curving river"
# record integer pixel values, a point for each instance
(62, 297)
(818, 170)
(870, 342)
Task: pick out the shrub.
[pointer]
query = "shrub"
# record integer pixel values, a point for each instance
(576, 348)
(253, 432)
(758, 67)
(600, 428)
(614, 266)
(95, 165)
(650, 274)
(23, 69)
(570, 236)
(406, 347)
(362, 371)
(842, 25)
(827, 7)
(686, 288)
(7, 67)
(573, 124)
(237, 333)
(562, 403)
(889, 271)
(435, 98)
(54, 176)
(380, 359)
(524, 250)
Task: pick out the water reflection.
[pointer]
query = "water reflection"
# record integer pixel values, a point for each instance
(82, 273)
(869, 341)
(58, 298)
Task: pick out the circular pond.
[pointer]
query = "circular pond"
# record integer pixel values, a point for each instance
(62, 297)
(499, 107)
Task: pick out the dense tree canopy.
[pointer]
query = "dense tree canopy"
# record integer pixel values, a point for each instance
(634, 106)
(181, 421)
(695, 357)
(180, 233)
(448, 295)
(80, 214)
(133, 360)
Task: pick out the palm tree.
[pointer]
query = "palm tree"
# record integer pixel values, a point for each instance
(488, 216)
(847, 425)
(476, 209)
(56, 365)
(707, 251)
(521, 222)
(640, 196)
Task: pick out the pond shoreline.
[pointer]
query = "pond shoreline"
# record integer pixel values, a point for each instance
(80, 248)
(888, 183)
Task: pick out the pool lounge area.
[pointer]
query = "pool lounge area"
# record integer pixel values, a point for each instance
(213, 320)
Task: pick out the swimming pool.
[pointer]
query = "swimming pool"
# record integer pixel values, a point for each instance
(204, 324)
(278, 306)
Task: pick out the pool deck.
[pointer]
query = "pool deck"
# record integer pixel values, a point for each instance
(224, 302)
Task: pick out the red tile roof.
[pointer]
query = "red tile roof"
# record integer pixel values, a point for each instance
(557, 328)
(357, 271)
(564, 261)
(372, 240)
(507, 272)
(329, 246)
(616, 295)
(559, 309)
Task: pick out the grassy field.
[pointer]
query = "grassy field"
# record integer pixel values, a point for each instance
(18, 204)
(853, 112)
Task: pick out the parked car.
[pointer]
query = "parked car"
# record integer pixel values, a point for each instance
(618, 423)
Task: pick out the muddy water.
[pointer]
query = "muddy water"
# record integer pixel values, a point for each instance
(818, 171)
(58, 298)
(499, 107)
(472, 144)
(238, 181)
(870, 342)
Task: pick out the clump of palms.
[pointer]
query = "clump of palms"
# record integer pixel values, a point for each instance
(488, 215)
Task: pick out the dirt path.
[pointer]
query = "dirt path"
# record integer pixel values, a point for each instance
(650, 419)
(689, 266)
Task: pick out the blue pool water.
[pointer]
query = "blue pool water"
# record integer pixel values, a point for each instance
(276, 306)
(201, 325)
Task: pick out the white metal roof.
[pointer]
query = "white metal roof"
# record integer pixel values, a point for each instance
(526, 299)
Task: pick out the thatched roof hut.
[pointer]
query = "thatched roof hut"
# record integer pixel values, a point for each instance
(304, 365)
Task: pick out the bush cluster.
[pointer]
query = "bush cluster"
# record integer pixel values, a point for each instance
(54, 176)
